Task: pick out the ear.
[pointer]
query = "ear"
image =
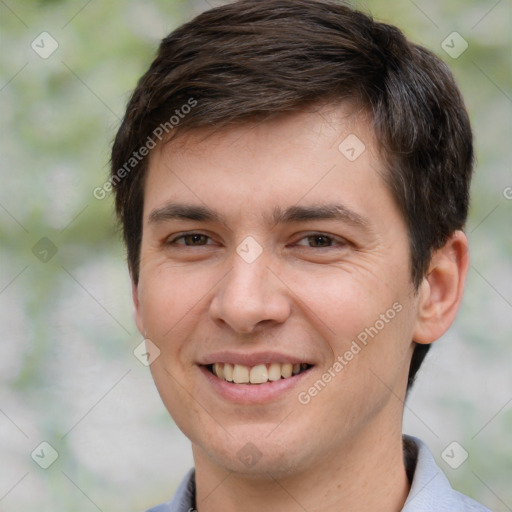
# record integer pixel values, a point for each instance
(137, 310)
(441, 291)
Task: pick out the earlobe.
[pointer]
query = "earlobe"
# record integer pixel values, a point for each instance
(442, 289)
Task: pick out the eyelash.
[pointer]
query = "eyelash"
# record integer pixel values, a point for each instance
(332, 241)
(185, 235)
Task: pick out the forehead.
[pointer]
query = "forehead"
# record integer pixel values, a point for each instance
(324, 154)
(335, 120)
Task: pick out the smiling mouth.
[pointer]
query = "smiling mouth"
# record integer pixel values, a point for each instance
(259, 374)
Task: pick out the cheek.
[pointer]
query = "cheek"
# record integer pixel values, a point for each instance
(344, 302)
(171, 305)
(169, 299)
(178, 396)
(369, 368)
(365, 322)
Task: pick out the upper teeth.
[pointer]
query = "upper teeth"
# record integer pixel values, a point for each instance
(259, 374)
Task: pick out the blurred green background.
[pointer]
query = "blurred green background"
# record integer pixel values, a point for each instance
(67, 370)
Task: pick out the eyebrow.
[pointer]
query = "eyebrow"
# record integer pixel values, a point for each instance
(320, 212)
(173, 211)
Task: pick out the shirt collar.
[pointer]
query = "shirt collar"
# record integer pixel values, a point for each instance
(430, 490)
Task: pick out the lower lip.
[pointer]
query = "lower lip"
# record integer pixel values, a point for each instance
(252, 393)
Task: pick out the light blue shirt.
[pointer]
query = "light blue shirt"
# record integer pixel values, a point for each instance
(430, 490)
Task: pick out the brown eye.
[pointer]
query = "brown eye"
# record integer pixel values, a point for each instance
(319, 241)
(195, 239)
(191, 240)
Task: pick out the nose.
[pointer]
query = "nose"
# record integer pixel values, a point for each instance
(250, 296)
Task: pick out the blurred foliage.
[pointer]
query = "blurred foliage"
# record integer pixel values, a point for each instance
(66, 328)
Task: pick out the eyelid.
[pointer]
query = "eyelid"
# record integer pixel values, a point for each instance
(337, 240)
(177, 236)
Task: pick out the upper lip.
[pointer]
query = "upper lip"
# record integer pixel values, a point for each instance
(250, 359)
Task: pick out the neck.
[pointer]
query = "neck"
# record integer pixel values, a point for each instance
(365, 474)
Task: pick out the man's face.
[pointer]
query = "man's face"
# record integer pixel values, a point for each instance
(266, 246)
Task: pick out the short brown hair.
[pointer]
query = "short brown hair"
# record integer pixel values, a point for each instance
(257, 59)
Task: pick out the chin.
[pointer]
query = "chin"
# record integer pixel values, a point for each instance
(253, 451)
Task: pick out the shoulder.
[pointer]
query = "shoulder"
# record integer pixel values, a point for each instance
(184, 498)
(430, 489)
